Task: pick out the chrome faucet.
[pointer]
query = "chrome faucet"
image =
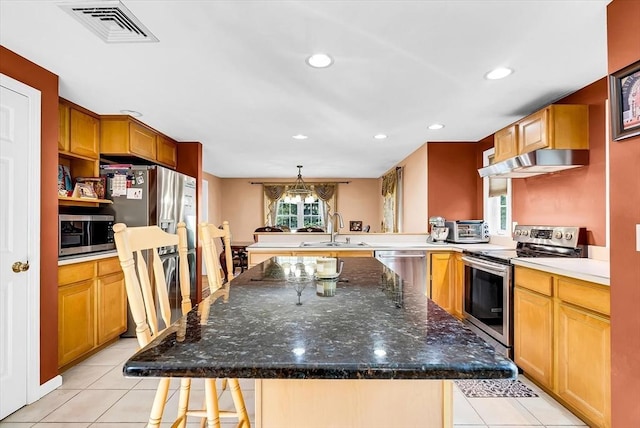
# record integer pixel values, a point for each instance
(340, 225)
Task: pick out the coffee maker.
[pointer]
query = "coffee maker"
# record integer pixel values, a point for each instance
(437, 230)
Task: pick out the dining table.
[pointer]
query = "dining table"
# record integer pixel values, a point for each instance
(358, 348)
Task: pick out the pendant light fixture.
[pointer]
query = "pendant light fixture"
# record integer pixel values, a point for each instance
(298, 191)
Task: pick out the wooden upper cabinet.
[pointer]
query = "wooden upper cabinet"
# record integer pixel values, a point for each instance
(167, 151)
(506, 143)
(558, 126)
(84, 134)
(63, 130)
(122, 136)
(533, 132)
(142, 141)
(125, 136)
(79, 132)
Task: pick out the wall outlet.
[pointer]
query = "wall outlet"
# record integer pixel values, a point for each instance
(637, 237)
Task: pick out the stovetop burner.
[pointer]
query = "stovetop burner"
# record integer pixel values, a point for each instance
(539, 241)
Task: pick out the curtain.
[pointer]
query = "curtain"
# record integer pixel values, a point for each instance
(326, 193)
(497, 186)
(272, 194)
(390, 183)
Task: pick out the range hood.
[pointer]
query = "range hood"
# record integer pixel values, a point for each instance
(542, 161)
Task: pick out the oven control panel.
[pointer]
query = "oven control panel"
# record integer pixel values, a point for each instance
(564, 236)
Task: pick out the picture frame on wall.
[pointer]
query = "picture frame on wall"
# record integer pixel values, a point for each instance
(355, 226)
(625, 102)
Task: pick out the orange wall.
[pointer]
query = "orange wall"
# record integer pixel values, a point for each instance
(573, 197)
(214, 208)
(623, 40)
(415, 192)
(482, 146)
(242, 203)
(37, 77)
(453, 180)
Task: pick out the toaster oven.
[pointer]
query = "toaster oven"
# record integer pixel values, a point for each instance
(467, 231)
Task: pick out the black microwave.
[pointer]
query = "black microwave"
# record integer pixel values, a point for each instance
(80, 234)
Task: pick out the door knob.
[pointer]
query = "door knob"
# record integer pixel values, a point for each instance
(18, 267)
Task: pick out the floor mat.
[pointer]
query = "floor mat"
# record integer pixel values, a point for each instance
(494, 388)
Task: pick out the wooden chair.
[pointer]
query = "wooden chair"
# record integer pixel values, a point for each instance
(265, 229)
(215, 271)
(310, 229)
(217, 284)
(131, 242)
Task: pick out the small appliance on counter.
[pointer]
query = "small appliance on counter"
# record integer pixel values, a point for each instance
(467, 231)
(437, 231)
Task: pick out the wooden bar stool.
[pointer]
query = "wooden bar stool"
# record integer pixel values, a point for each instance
(131, 242)
(216, 279)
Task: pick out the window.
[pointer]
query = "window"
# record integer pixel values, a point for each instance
(300, 214)
(497, 200)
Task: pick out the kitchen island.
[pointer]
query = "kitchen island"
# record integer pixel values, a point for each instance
(360, 350)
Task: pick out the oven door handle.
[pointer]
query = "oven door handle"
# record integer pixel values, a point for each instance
(501, 270)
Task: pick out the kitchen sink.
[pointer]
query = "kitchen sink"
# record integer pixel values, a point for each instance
(333, 244)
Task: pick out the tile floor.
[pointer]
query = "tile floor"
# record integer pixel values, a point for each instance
(95, 394)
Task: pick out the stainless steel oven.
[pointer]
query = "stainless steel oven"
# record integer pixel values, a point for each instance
(488, 278)
(488, 295)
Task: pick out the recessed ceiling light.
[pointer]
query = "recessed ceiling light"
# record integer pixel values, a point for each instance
(380, 136)
(299, 137)
(498, 73)
(436, 126)
(131, 113)
(319, 60)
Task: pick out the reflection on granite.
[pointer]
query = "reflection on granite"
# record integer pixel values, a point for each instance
(373, 326)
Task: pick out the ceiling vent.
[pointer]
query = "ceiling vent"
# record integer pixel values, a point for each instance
(109, 20)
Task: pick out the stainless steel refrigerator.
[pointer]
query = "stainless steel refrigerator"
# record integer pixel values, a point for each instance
(152, 195)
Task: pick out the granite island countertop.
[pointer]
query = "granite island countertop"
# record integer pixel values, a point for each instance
(372, 327)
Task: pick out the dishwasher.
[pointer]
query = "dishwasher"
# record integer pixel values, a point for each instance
(410, 265)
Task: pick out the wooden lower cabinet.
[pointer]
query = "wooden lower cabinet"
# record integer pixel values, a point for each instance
(441, 278)
(562, 339)
(92, 307)
(458, 285)
(257, 258)
(76, 321)
(111, 307)
(584, 356)
(533, 334)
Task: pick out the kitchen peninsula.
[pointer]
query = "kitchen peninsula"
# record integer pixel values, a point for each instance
(365, 350)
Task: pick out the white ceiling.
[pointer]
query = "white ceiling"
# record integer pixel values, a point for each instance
(232, 74)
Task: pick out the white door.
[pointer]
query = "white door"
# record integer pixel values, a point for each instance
(19, 234)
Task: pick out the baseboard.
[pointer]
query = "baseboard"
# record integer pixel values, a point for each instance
(50, 385)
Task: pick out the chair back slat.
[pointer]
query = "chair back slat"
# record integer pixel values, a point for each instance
(140, 280)
(185, 277)
(134, 291)
(161, 290)
(147, 294)
(208, 234)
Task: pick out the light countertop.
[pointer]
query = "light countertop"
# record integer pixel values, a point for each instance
(87, 258)
(374, 246)
(591, 270)
(586, 269)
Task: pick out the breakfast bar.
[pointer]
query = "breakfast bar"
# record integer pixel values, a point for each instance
(356, 349)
